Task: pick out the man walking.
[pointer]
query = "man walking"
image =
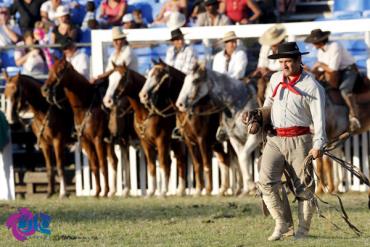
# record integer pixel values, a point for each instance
(296, 100)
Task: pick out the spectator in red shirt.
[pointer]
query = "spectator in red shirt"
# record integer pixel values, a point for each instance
(112, 11)
(240, 11)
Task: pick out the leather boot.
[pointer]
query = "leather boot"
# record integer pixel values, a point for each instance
(305, 213)
(271, 197)
(354, 122)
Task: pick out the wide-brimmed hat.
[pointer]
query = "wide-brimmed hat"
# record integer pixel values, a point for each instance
(210, 2)
(127, 18)
(229, 36)
(273, 35)
(176, 20)
(117, 33)
(316, 36)
(287, 50)
(176, 34)
(62, 10)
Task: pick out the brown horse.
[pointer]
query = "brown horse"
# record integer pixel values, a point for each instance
(52, 126)
(336, 124)
(163, 86)
(153, 130)
(90, 120)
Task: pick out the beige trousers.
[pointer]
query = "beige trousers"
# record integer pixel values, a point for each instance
(285, 151)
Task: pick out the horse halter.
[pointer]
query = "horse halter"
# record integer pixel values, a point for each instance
(54, 87)
(153, 98)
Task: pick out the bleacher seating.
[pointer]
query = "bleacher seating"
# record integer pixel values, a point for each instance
(349, 5)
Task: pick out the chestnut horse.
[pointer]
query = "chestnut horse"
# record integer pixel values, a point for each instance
(153, 130)
(198, 129)
(52, 126)
(337, 123)
(91, 122)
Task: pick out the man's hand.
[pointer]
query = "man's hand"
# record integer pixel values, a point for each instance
(316, 153)
(245, 117)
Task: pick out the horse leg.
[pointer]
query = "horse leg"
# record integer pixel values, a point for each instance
(320, 175)
(196, 160)
(224, 163)
(206, 153)
(126, 169)
(244, 152)
(179, 151)
(368, 195)
(112, 161)
(328, 171)
(100, 149)
(93, 162)
(59, 157)
(45, 148)
(150, 160)
(164, 163)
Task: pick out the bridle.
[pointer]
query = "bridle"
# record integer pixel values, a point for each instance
(153, 98)
(52, 93)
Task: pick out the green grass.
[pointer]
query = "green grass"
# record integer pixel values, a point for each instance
(204, 221)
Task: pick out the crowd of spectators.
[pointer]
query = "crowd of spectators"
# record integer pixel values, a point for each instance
(29, 22)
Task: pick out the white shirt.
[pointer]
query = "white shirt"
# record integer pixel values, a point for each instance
(184, 60)
(126, 56)
(237, 65)
(4, 38)
(265, 62)
(289, 109)
(34, 64)
(81, 63)
(47, 7)
(335, 56)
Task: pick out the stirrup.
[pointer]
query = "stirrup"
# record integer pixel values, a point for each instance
(176, 134)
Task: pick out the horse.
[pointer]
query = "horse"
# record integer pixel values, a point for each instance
(52, 126)
(90, 120)
(154, 131)
(198, 130)
(234, 98)
(337, 123)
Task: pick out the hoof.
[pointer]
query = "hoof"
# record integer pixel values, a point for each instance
(181, 192)
(197, 193)
(49, 195)
(111, 193)
(63, 196)
(126, 192)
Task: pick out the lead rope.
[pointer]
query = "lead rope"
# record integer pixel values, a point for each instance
(43, 125)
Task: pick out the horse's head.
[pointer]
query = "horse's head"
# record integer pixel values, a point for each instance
(15, 102)
(158, 79)
(118, 83)
(196, 86)
(52, 89)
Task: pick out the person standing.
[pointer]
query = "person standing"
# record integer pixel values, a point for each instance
(296, 101)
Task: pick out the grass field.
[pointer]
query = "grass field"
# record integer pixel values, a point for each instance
(203, 221)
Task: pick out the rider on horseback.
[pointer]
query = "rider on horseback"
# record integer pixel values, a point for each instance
(338, 69)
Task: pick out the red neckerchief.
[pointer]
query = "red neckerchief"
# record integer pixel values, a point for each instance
(289, 85)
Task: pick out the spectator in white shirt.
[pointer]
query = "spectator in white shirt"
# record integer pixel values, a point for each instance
(8, 35)
(122, 53)
(232, 60)
(48, 10)
(338, 68)
(79, 59)
(269, 40)
(180, 55)
(31, 59)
